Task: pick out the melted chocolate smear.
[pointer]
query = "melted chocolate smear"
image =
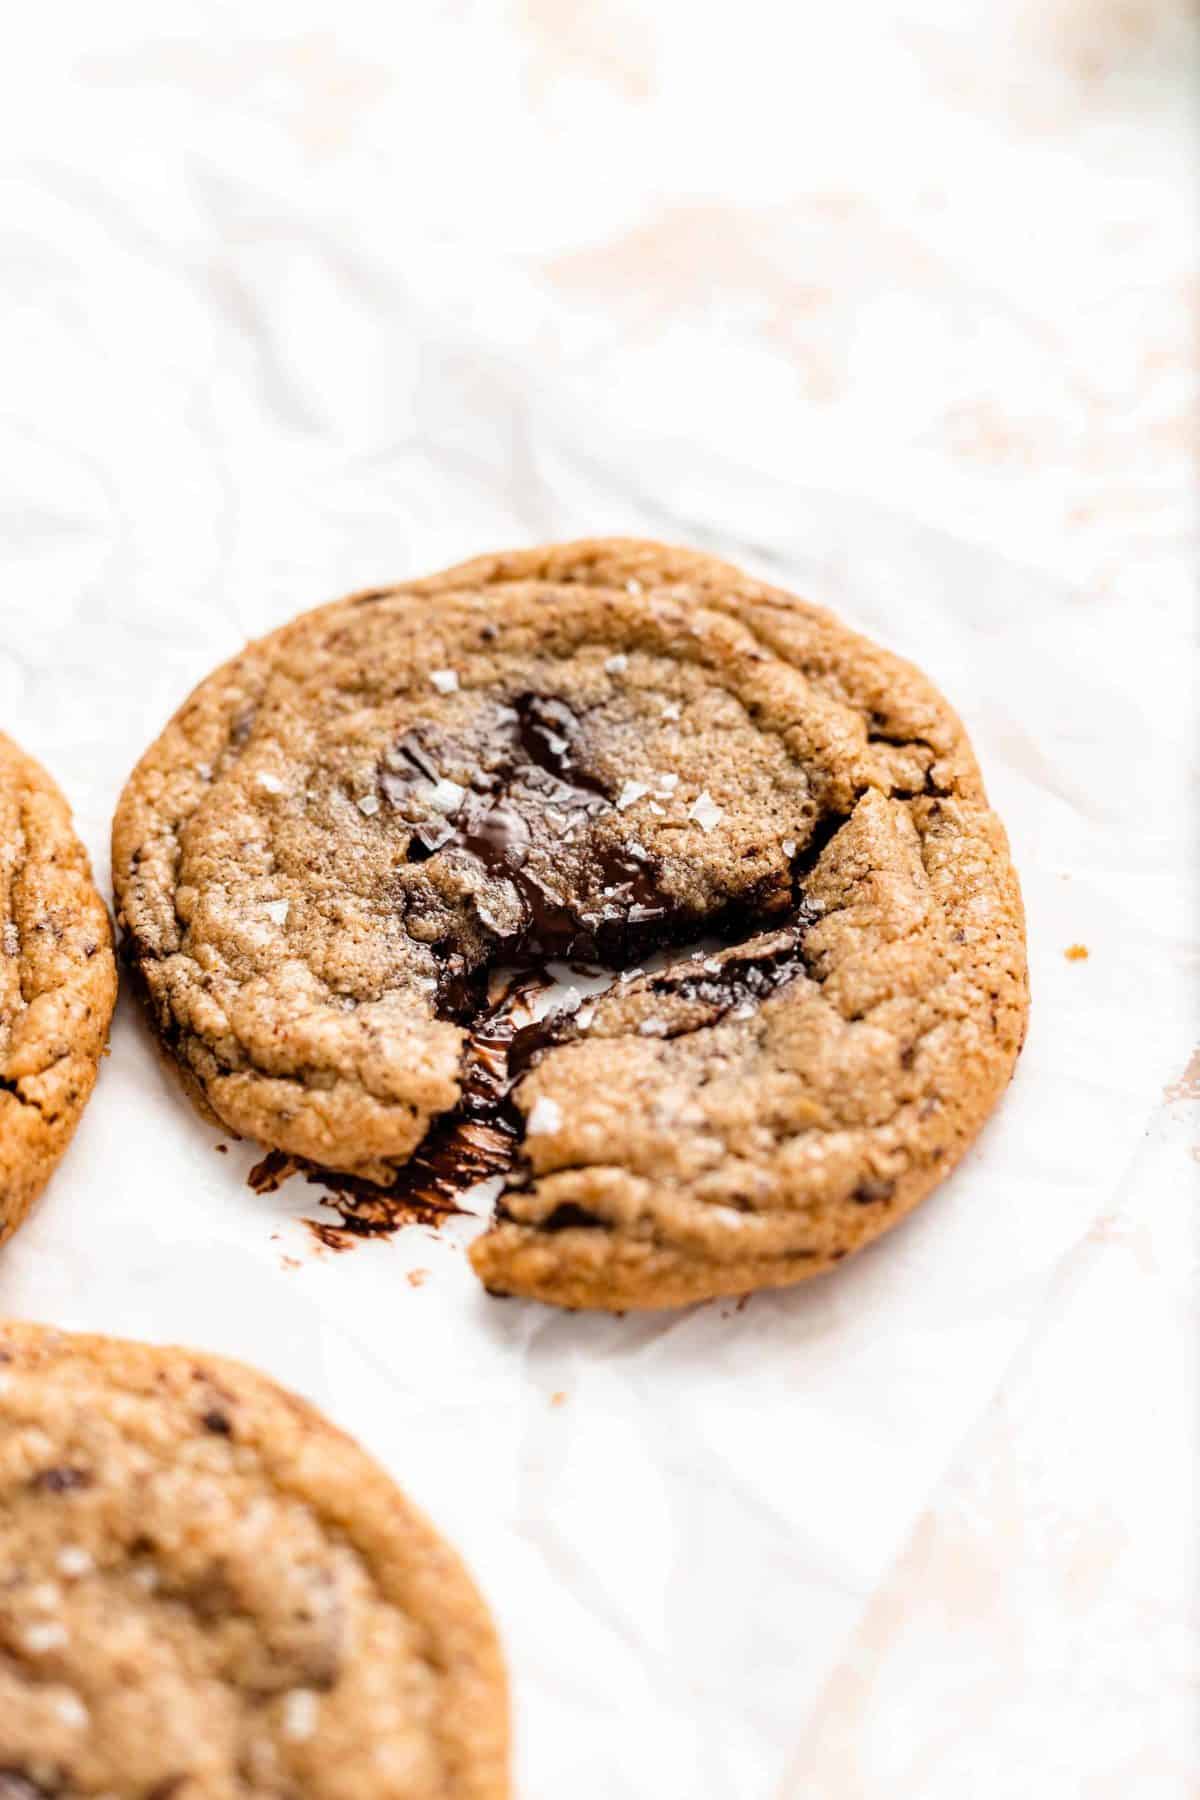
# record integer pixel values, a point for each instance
(272, 1171)
(478, 1138)
(740, 979)
(528, 821)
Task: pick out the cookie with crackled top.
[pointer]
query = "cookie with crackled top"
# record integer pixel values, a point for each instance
(209, 1590)
(58, 981)
(612, 752)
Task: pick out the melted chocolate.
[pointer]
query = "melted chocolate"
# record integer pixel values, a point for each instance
(738, 980)
(529, 821)
(479, 1137)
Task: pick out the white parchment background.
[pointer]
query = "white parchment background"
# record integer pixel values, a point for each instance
(890, 303)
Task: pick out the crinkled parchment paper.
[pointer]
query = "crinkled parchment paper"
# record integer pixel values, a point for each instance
(297, 302)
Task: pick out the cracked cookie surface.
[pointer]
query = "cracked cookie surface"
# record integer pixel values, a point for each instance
(590, 751)
(208, 1591)
(58, 981)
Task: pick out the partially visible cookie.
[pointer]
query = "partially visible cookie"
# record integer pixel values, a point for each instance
(207, 1592)
(609, 751)
(58, 981)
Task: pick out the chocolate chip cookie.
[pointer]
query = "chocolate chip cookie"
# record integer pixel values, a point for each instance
(772, 834)
(209, 1591)
(58, 981)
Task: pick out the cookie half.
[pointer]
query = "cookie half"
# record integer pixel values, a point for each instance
(608, 752)
(58, 981)
(209, 1590)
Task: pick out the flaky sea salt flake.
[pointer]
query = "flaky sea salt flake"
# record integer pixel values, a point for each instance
(705, 811)
(631, 793)
(447, 796)
(367, 804)
(544, 1115)
(277, 911)
(444, 680)
(617, 665)
(72, 1712)
(299, 1714)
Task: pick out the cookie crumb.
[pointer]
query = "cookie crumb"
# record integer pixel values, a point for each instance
(444, 680)
(417, 1277)
(221, 1149)
(705, 811)
(559, 1399)
(544, 1115)
(1076, 952)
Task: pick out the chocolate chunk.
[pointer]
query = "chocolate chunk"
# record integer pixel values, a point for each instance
(568, 1216)
(62, 1480)
(871, 1191)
